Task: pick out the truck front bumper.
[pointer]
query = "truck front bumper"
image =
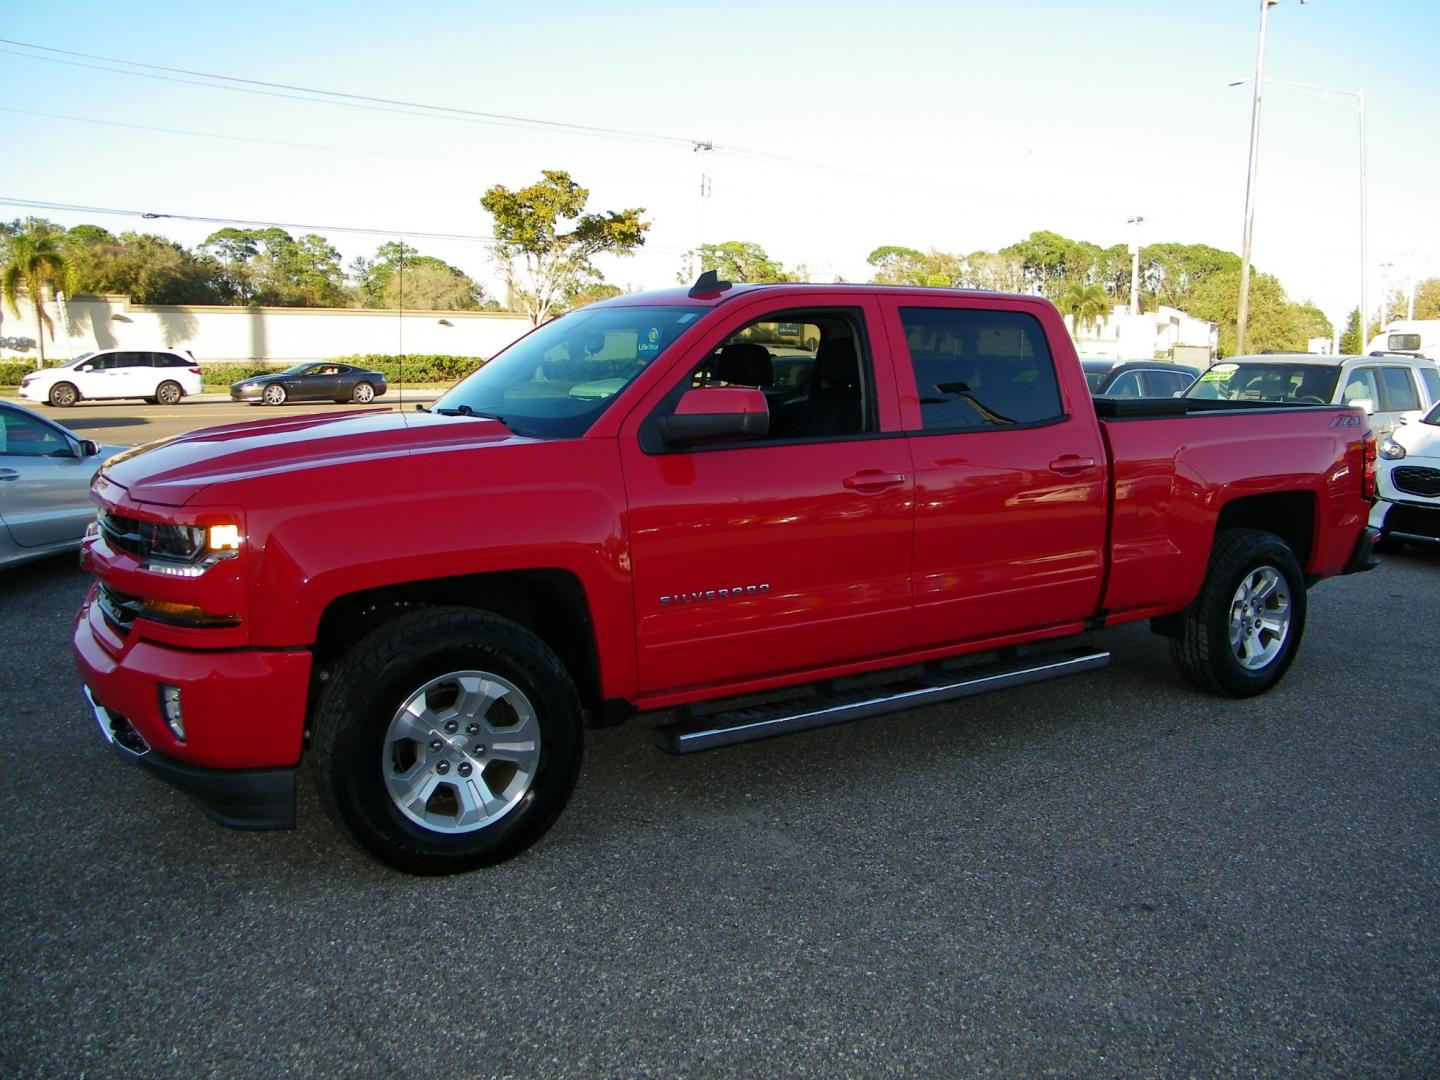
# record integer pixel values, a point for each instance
(236, 721)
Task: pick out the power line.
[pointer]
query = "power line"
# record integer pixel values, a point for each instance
(358, 100)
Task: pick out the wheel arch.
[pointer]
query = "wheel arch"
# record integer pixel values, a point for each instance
(550, 603)
(1290, 515)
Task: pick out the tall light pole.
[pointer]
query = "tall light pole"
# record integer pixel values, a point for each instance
(1325, 92)
(1244, 312)
(1137, 221)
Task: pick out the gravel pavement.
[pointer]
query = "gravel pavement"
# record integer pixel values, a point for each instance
(1111, 875)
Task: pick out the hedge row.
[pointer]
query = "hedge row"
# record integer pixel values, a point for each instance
(411, 368)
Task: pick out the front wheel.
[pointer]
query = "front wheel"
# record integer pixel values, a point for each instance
(1243, 630)
(274, 394)
(447, 740)
(363, 393)
(63, 395)
(168, 393)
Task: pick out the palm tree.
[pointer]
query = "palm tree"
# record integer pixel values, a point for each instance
(1085, 304)
(35, 262)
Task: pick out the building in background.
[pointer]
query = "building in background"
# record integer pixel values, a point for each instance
(1164, 334)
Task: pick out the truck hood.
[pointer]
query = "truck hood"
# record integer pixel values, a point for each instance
(173, 471)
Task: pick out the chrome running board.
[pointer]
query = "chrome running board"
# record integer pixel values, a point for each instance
(838, 707)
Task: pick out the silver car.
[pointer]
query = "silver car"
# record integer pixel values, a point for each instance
(45, 474)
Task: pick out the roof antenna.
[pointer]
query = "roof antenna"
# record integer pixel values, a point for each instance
(708, 284)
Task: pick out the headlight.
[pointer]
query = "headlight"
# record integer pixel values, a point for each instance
(1391, 450)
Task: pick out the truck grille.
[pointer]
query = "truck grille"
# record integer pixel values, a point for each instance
(125, 533)
(1416, 480)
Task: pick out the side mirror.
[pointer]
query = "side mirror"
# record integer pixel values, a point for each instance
(89, 448)
(1365, 403)
(83, 367)
(716, 412)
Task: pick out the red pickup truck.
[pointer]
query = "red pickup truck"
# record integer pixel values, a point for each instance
(832, 501)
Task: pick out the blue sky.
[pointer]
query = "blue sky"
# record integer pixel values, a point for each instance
(957, 125)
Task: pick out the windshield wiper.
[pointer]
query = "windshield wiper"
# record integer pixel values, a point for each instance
(466, 410)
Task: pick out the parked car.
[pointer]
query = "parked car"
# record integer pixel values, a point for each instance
(1137, 378)
(324, 381)
(159, 376)
(1391, 389)
(45, 474)
(430, 608)
(1408, 511)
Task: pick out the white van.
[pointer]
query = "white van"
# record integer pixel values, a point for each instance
(159, 376)
(1391, 389)
(1418, 336)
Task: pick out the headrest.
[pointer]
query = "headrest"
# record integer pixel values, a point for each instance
(744, 363)
(836, 363)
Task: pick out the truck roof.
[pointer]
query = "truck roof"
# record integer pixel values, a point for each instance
(681, 295)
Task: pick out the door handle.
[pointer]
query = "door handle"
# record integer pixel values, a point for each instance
(1070, 464)
(873, 480)
(9, 474)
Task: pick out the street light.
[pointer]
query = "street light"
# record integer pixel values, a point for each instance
(1137, 221)
(1322, 92)
(1244, 313)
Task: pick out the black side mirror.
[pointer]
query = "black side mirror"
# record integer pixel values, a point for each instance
(89, 448)
(716, 412)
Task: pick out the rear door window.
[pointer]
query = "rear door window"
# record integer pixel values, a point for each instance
(980, 369)
(1127, 385)
(1362, 384)
(1165, 383)
(1399, 389)
(1432, 383)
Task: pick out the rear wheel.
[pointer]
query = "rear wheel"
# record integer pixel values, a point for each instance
(168, 393)
(63, 395)
(362, 393)
(1243, 630)
(448, 739)
(273, 394)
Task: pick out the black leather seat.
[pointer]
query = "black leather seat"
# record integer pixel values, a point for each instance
(834, 404)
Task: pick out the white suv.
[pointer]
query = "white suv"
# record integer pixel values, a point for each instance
(1408, 511)
(162, 376)
(1391, 388)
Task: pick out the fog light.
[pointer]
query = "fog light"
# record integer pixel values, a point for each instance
(170, 709)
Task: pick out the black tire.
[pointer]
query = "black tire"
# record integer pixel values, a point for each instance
(1205, 650)
(363, 394)
(168, 392)
(353, 745)
(273, 394)
(63, 395)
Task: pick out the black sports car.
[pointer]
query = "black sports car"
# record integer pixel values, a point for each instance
(323, 381)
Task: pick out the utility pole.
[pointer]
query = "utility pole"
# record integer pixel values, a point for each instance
(704, 149)
(1137, 221)
(1243, 314)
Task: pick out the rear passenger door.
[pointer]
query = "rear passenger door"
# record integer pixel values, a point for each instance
(1010, 476)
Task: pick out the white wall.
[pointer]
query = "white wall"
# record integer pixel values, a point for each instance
(1146, 336)
(258, 333)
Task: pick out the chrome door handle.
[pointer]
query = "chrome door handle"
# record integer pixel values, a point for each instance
(9, 474)
(1069, 464)
(873, 480)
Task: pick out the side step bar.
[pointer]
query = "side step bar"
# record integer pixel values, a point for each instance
(802, 714)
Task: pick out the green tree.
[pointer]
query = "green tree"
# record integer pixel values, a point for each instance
(590, 292)
(1086, 305)
(1350, 341)
(1427, 299)
(148, 269)
(1275, 323)
(992, 272)
(1050, 261)
(1170, 273)
(545, 240)
(400, 277)
(34, 262)
(906, 266)
(742, 260)
(1314, 322)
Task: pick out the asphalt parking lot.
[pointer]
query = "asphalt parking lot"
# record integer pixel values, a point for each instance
(1111, 875)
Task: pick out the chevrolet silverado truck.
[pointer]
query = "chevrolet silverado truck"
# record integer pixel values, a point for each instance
(755, 508)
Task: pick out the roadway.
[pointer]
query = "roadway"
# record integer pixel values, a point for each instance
(1113, 875)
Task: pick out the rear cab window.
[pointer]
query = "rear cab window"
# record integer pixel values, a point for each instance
(980, 369)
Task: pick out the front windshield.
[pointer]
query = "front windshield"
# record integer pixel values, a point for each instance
(557, 380)
(81, 358)
(1308, 384)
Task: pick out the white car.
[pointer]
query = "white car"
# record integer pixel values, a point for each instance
(1391, 388)
(1408, 511)
(159, 376)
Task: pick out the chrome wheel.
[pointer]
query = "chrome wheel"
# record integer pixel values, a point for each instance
(274, 394)
(63, 395)
(363, 393)
(1260, 614)
(461, 752)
